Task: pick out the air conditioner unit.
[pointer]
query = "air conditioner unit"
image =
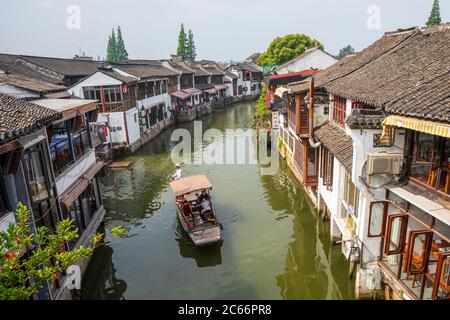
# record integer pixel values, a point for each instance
(384, 163)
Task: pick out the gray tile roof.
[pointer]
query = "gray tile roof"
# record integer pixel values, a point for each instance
(30, 84)
(366, 119)
(405, 72)
(19, 117)
(413, 79)
(337, 142)
(144, 70)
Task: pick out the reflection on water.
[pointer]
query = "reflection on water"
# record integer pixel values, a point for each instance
(274, 245)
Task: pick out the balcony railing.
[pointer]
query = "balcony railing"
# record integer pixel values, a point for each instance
(116, 106)
(415, 248)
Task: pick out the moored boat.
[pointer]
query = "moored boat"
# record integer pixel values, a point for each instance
(195, 210)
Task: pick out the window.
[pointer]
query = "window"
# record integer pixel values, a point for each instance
(34, 167)
(377, 216)
(396, 233)
(153, 117)
(419, 246)
(291, 112)
(157, 88)
(160, 112)
(327, 169)
(338, 114)
(312, 172)
(430, 160)
(351, 196)
(81, 139)
(37, 170)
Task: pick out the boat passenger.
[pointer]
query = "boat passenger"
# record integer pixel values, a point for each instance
(206, 205)
(186, 208)
(178, 173)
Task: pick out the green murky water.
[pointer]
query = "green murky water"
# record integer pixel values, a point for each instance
(275, 246)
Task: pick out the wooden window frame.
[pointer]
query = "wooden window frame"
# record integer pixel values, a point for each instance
(330, 172)
(339, 110)
(437, 278)
(383, 219)
(425, 254)
(404, 225)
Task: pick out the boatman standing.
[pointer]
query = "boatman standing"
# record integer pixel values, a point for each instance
(179, 173)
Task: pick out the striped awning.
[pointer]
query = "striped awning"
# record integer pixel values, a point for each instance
(433, 128)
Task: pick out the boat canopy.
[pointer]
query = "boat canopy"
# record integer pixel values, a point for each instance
(190, 184)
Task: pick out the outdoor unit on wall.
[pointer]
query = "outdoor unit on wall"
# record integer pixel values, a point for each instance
(384, 163)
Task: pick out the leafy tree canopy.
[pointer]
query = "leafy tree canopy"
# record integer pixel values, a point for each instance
(115, 50)
(190, 50)
(186, 44)
(283, 49)
(28, 258)
(345, 51)
(182, 42)
(435, 15)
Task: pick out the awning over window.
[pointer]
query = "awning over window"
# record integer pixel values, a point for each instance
(220, 87)
(433, 128)
(92, 171)
(211, 91)
(74, 192)
(180, 94)
(192, 91)
(77, 188)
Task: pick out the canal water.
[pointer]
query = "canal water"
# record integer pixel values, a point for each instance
(275, 246)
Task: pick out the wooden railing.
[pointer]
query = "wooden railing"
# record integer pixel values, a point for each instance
(115, 106)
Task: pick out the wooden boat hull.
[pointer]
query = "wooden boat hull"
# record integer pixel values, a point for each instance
(201, 236)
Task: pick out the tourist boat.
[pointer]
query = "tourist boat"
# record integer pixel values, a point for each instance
(203, 229)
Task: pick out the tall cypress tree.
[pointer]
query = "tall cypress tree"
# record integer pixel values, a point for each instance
(435, 15)
(191, 54)
(122, 54)
(182, 42)
(111, 51)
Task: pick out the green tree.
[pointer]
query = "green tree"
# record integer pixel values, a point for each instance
(182, 43)
(435, 15)
(190, 50)
(111, 50)
(122, 54)
(283, 49)
(20, 277)
(262, 115)
(345, 51)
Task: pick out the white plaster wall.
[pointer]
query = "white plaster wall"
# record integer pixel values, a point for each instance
(229, 92)
(363, 145)
(331, 198)
(67, 178)
(315, 60)
(132, 118)
(97, 79)
(114, 119)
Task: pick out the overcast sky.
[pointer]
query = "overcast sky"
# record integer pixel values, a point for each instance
(223, 29)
